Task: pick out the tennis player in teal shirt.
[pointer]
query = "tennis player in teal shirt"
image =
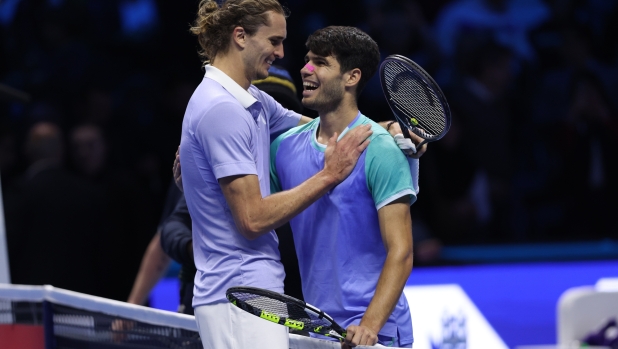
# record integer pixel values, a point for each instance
(354, 244)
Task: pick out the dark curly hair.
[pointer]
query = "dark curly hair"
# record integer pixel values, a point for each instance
(214, 24)
(351, 47)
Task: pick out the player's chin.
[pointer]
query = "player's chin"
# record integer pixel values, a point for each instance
(262, 74)
(308, 103)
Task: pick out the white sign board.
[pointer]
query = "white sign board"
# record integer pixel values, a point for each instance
(443, 317)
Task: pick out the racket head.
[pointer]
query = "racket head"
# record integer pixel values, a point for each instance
(415, 98)
(284, 310)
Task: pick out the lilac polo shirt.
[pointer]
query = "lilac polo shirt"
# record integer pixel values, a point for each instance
(225, 132)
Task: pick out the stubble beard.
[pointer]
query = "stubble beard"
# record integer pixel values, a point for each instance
(329, 98)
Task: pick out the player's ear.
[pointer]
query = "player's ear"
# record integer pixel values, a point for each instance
(352, 77)
(239, 36)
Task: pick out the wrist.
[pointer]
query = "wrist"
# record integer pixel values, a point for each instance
(371, 326)
(329, 179)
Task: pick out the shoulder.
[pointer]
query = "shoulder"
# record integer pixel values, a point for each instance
(291, 133)
(308, 127)
(211, 95)
(380, 136)
(212, 103)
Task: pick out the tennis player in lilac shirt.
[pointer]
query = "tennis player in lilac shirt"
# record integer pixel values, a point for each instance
(215, 147)
(224, 154)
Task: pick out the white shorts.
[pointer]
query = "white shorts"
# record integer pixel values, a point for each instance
(224, 325)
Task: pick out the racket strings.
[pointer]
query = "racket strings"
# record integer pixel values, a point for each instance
(282, 309)
(413, 97)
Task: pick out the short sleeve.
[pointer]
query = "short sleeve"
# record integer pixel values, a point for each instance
(280, 118)
(225, 136)
(388, 172)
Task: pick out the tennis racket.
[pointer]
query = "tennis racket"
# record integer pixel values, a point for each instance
(414, 97)
(284, 310)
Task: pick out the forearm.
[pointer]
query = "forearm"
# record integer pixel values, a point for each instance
(154, 264)
(255, 215)
(265, 214)
(396, 230)
(395, 273)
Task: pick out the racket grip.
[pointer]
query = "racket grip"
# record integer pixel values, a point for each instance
(421, 144)
(404, 129)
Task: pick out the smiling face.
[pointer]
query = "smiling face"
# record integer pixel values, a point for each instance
(264, 47)
(323, 82)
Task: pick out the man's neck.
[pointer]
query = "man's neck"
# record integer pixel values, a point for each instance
(232, 66)
(336, 120)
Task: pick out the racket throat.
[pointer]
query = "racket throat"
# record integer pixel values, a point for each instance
(334, 334)
(406, 133)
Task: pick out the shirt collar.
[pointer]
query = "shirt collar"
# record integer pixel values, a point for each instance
(243, 96)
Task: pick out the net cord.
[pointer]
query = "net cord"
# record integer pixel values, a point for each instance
(97, 304)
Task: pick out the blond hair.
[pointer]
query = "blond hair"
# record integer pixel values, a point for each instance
(214, 24)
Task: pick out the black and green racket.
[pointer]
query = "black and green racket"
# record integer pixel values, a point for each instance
(284, 310)
(415, 98)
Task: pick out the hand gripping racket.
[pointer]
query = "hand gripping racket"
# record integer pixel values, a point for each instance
(414, 97)
(284, 310)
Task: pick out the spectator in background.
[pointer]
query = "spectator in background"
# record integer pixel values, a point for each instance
(125, 206)
(54, 220)
(481, 109)
(585, 144)
(155, 261)
(446, 177)
(414, 40)
(566, 44)
(507, 21)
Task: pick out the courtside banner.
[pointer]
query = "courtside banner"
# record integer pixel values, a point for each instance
(443, 316)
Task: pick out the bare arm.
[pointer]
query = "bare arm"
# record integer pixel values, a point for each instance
(255, 215)
(396, 228)
(154, 264)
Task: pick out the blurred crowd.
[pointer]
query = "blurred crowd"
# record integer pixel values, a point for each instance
(93, 93)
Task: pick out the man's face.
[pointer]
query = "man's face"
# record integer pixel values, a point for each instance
(264, 47)
(89, 150)
(323, 83)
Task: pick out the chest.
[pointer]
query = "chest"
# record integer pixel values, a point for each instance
(298, 160)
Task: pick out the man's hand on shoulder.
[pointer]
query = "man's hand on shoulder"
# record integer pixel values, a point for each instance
(359, 335)
(341, 156)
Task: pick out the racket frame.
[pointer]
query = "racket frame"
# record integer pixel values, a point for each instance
(334, 330)
(429, 81)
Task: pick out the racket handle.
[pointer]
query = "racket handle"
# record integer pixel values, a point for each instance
(404, 129)
(421, 144)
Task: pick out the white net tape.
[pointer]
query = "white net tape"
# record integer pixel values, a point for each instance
(81, 326)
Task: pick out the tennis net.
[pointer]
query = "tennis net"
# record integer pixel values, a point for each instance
(45, 317)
